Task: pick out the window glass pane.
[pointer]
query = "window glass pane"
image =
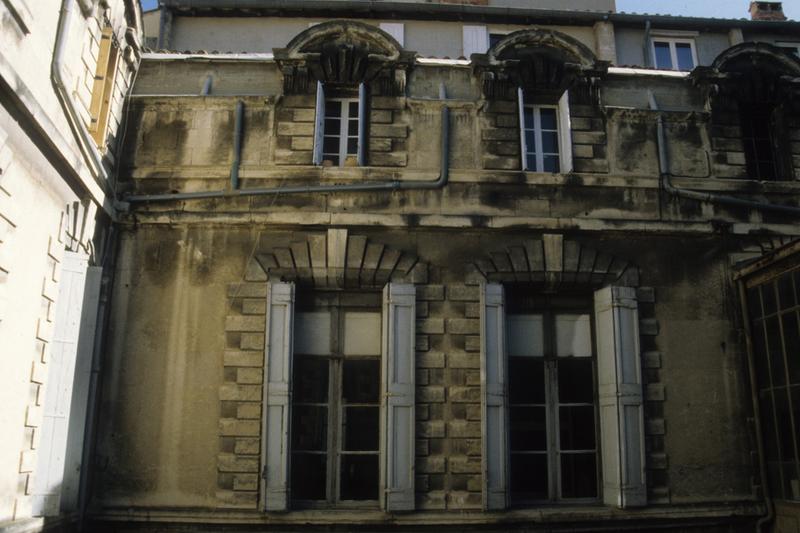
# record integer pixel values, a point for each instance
(768, 295)
(352, 145)
(530, 141)
(575, 381)
(760, 355)
(526, 380)
(550, 142)
(360, 428)
(551, 163)
(775, 352)
(663, 57)
(309, 428)
(525, 335)
(359, 477)
(309, 476)
(362, 333)
(791, 337)
(330, 145)
(310, 379)
(333, 108)
(528, 429)
(332, 126)
(548, 117)
(684, 53)
(531, 163)
(576, 425)
(785, 437)
(353, 109)
(768, 419)
(786, 291)
(352, 127)
(573, 336)
(528, 117)
(312, 333)
(578, 475)
(529, 476)
(361, 380)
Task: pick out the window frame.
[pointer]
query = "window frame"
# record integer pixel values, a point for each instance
(318, 154)
(672, 41)
(563, 133)
(103, 87)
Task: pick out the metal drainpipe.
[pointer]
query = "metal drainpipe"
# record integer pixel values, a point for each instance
(395, 185)
(751, 367)
(666, 178)
(85, 141)
(237, 145)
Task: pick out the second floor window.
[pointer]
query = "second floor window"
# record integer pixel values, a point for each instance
(339, 137)
(545, 137)
(758, 141)
(674, 54)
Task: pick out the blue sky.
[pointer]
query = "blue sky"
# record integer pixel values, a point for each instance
(692, 8)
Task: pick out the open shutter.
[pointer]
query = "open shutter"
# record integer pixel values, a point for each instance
(277, 396)
(476, 40)
(395, 29)
(493, 398)
(319, 123)
(523, 146)
(397, 402)
(565, 133)
(49, 473)
(620, 395)
(362, 124)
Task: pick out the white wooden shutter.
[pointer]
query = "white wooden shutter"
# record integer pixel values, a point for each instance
(395, 29)
(49, 473)
(565, 133)
(619, 378)
(319, 123)
(277, 396)
(80, 390)
(397, 402)
(362, 124)
(493, 399)
(476, 40)
(523, 145)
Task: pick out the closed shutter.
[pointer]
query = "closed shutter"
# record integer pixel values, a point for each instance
(362, 124)
(319, 124)
(49, 473)
(565, 133)
(493, 398)
(523, 145)
(277, 395)
(395, 29)
(619, 378)
(476, 40)
(397, 402)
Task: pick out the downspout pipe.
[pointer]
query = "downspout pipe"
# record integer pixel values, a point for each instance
(396, 185)
(722, 199)
(237, 145)
(86, 143)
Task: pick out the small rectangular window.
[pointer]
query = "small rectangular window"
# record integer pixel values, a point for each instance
(339, 131)
(103, 87)
(541, 138)
(674, 54)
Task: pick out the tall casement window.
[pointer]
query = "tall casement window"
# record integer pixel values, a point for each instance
(545, 136)
(673, 53)
(103, 87)
(758, 141)
(335, 399)
(551, 401)
(773, 306)
(562, 398)
(338, 428)
(340, 126)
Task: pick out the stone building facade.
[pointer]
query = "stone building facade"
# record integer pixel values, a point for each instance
(359, 285)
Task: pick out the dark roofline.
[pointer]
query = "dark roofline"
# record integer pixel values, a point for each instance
(457, 12)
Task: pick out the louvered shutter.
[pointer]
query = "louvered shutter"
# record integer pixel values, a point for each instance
(362, 124)
(565, 133)
(397, 402)
(523, 145)
(476, 40)
(620, 396)
(494, 397)
(277, 395)
(319, 123)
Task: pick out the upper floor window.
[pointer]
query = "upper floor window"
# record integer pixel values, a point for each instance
(103, 87)
(671, 53)
(339, 138)
(545, 137)
(758, 141)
